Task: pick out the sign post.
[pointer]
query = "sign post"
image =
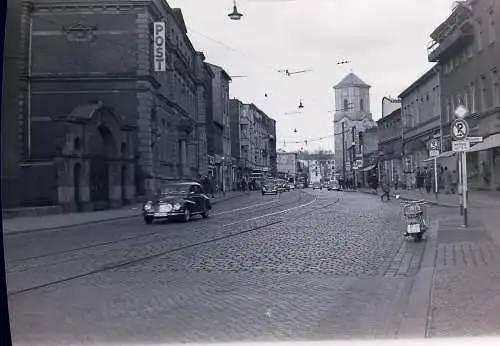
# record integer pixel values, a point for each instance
(434, 152)
(459, 132)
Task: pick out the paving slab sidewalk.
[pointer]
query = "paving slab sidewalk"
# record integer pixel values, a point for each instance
(48, 222)
(465, 294)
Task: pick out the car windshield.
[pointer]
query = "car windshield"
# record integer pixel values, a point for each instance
(175, 189)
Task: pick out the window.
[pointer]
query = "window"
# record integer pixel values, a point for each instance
(346, 105)
(472, 103)
(479, 34)
(482, 93)
(468, 51)
(492, 33)
(495, 88)
(361, 105)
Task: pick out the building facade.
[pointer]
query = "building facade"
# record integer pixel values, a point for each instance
(466, 50)
(370, 155)
(390, 146)
(258, 141)
(98, 124)
(235, 112)
(11, 153)
(352, 118)
(221, 132)
(421, 116)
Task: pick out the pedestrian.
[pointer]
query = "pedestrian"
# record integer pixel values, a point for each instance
(386, 188)
(447, 181)
(374, 183)
(485, 175)
(428, 180)
(420, 179)
(454, 182)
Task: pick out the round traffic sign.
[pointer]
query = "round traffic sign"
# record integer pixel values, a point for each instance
(459, 129)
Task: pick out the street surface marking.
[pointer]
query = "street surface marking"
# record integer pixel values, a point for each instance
(272, 214)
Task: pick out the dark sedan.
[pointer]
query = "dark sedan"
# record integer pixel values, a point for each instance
(269, 187)
(178, 200)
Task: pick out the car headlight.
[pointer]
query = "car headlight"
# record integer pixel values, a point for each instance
(148, 206)
(177, 206)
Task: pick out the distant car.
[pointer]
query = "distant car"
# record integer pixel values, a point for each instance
(317, 186)
(269, 187)
(291, 186)
(177, 200)
(334, 185)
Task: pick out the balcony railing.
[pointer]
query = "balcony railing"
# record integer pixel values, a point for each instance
(456, 40)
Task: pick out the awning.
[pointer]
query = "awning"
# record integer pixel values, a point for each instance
(492, 141)
(441, 156)
(368, 168)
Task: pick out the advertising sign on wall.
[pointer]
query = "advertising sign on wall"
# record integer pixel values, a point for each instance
(159, 54)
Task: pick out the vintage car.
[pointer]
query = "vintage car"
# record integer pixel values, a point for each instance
(269, 187)
(177, 200)
(317, 185)
(333, 185)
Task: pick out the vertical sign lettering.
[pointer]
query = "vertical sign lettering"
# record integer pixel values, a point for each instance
(159, 56)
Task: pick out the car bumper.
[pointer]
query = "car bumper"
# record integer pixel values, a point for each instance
(158, 215)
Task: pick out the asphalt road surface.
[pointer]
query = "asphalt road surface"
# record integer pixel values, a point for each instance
(303, 265)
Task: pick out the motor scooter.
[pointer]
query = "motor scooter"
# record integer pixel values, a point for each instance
(415, 216)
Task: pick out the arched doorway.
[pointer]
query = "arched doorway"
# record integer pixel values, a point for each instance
(123, 180)
(76, 184)
(103, 148)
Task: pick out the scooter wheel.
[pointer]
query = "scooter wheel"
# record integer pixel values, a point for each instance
(418, 237)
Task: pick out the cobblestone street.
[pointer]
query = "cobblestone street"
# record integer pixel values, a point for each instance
(299, 266)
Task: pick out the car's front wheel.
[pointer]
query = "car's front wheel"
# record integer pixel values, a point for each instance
(148, 220)
(187, 215)
(205, 213)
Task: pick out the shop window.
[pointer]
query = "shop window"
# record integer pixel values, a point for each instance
(77, 144)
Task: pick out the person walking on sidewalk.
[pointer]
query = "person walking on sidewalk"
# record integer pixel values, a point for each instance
(485, 175)
(447, 180)
(420, 179)
(454, 182)
(428, 180)
(386, 188)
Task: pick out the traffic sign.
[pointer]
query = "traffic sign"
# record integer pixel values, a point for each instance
(458, 146)
(474, 139)
(434, 144)
(459, 129)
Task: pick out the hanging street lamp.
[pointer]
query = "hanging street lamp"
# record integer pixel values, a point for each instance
(235, 15)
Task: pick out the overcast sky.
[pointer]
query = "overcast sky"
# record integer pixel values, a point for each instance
(386, 41)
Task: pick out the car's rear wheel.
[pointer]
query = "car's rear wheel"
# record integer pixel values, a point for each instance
(187, 215)
(148, 220)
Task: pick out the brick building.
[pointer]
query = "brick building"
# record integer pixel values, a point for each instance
(98, 125)
(465, 48)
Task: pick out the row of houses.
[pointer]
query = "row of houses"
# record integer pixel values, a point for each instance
(90, 121)
(466, 56)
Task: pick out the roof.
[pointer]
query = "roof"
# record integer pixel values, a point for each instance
(219, 69)
(351, 80)
(394, 114)
(421, 80)
(177, 12)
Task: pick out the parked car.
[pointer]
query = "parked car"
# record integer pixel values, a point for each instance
(334, 185)
(269, 187)
(291, 186)
(317, 186)
(177, 200)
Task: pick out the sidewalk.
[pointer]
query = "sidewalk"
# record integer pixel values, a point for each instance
(465, 290)
(48, 222)
(477, 199)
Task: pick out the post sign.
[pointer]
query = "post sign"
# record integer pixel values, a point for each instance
(159, 53)
(460, 146)
(459, 129)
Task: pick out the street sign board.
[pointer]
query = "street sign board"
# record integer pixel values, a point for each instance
(433, 153)
(459, 129)
(474, 139)
(458, 146)
(159, 51)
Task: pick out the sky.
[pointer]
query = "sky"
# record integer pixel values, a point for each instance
(385, 40)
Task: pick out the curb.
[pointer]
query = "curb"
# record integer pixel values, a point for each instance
(86, 223)
(409, 199)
